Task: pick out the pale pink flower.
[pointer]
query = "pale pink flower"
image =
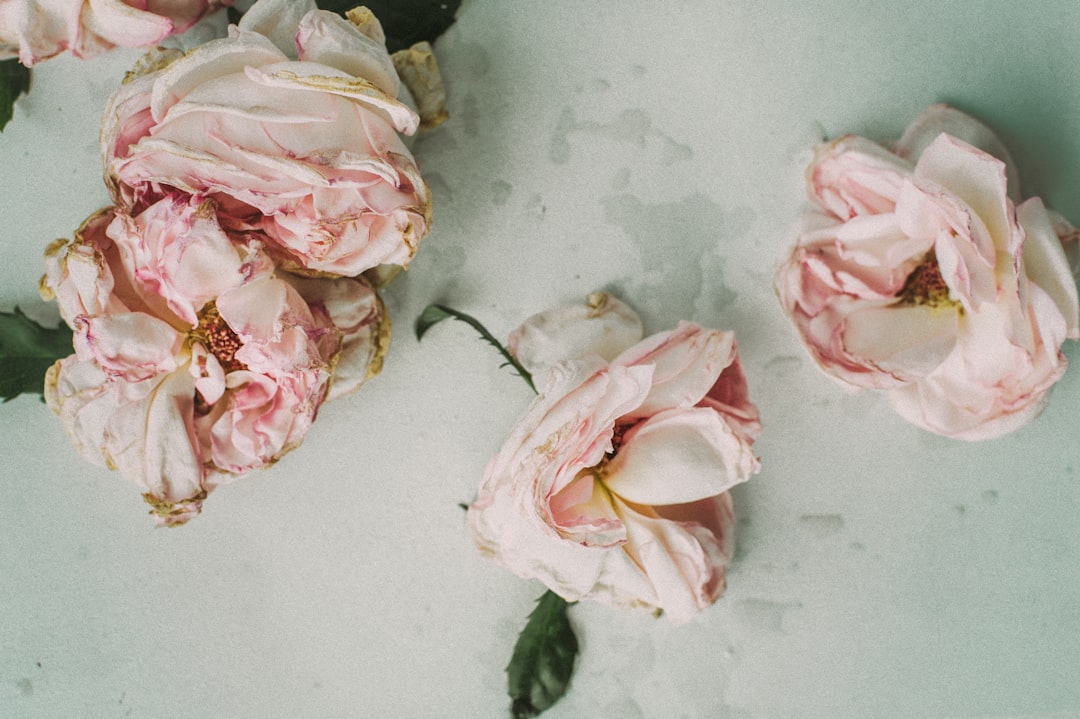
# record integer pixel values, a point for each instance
(196, 359)
(614, 485)
(35, 30)
(916, 274)
(291, 123)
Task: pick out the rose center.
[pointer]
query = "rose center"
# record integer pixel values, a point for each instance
(617, 439)
(216, 335)
(926, 286)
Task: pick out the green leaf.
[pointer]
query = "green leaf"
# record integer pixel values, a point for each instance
(14, 81)
(405, 22)
(27, 350)
(434, 314)
(539, 672)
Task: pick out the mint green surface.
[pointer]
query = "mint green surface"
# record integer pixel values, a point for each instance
(650, 149)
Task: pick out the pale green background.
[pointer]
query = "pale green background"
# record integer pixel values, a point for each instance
(650, 148)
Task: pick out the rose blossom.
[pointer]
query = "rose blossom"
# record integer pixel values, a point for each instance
(916, 274)
(196, 360)
(35, 30)
(614, 485)
(291, 124)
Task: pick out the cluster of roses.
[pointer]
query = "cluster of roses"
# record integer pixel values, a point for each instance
(256, 179)
(36, 30)
(222, 299)
(916, 273)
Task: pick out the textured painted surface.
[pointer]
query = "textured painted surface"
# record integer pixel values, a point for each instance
(656, 151)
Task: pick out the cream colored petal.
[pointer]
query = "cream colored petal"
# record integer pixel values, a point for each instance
(277, 20)
(1045, 262)
(603, 325)
(938, 119)
(687, 360)
(327, 38)
(908, 342)
(677, 457)
(683, 561)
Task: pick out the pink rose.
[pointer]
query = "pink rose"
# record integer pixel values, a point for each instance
(916, 274)
(614, 485)
(291, 124)
(196, 359)
(35, 30)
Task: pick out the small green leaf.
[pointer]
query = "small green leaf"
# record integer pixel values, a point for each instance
(539, 672)
(27, 350)
(405, 22)
(14, 81)
(434, 314)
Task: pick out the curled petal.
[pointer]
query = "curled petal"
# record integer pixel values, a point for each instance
(684, 561)
(603, 326)
(328, 39)
(679, 456)
(278, 20)
(942, 119)
(1045, 262)
(686, 362)
(853, 177)
(132, 345)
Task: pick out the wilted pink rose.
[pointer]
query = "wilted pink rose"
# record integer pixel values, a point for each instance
(196, 359)
(916, 274)
(291, 124)
(614, 485)
(35, 30)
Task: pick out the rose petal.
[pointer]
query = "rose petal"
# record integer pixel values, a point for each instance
(604, 326)
(938, 119)
(683, 561)
(908, 342)
(854, 177)
(679, 456)
(278, 20)
(687, 361)
(1045, 262)
(327, 38)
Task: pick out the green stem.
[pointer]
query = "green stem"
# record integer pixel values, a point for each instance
(434, 314)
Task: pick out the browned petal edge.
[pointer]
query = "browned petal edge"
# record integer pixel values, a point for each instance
(365, 21)
(56, 246)
(381, 338)
(382, 275)
(171, 510)
(419, 70)
(597, 302)
(156, 58)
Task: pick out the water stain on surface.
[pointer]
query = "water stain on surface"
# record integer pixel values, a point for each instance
(621, 179)
(632, 126)
(25, 687)
(822, 525)
(500, 192)
(783, 365)
(675, 280)
(536, 207)
(758, 614)
(470, 116)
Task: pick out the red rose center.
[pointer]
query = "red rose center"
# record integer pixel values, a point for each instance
(925, 285)
(218, 338)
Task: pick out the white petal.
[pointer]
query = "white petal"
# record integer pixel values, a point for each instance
(277, 20)
(1045, 263)
(604, 326)
(938, 119)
